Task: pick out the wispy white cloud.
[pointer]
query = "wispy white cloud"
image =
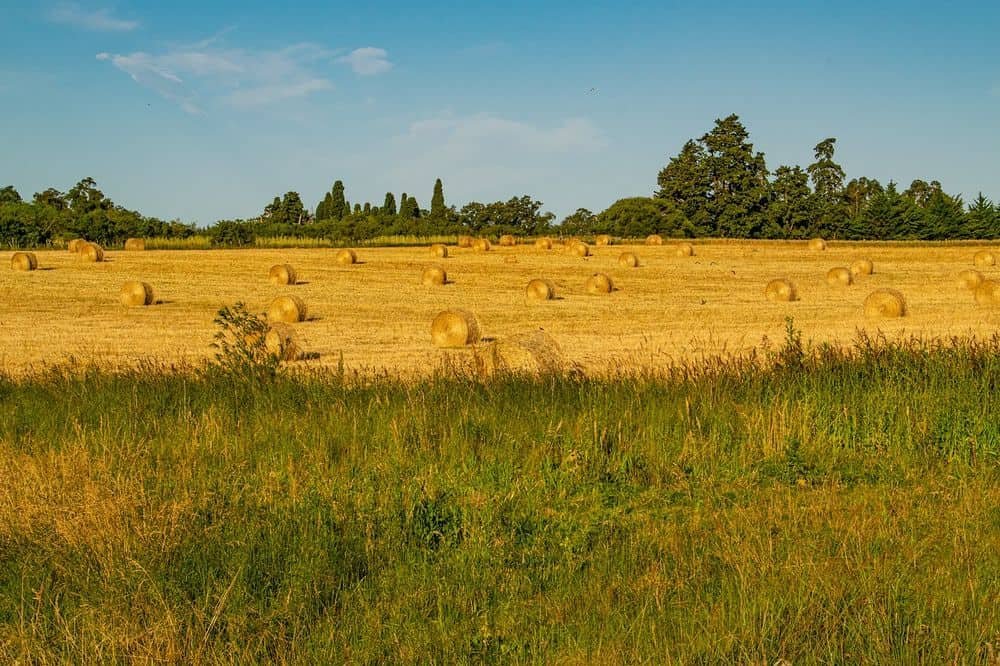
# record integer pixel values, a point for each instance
(198, 75)
(102, 20)
(367, 61)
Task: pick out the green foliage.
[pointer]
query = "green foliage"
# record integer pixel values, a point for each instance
(232, 233)
(839, 508)
(520, 216)
(437, 201)
(9, 195)
(791, 212)
(240, 343)
(638, 217)
(389, 207)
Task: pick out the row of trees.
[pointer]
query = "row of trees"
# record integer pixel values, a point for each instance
(716, 186)
(82, 211)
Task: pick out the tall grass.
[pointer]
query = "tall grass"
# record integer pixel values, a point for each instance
(291, 242)
(833, 507)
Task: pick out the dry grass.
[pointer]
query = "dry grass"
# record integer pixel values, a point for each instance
(839, 277)
(540, 290)
(780, 291)
(454, 328)
(434, 276)
(287, 309)
(135, 294)
(282, 274)
(885, 303)
(666, 311)
(24, 261)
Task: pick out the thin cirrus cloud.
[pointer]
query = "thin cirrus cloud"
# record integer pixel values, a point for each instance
(367, 61)
(98, 20)
(196, 76)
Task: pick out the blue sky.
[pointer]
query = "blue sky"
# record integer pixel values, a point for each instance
(203, 111)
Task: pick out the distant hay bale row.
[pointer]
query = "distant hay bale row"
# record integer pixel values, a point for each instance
(628, 260)
(434, 276)
(540, 290)
(466, 241)
(135, 245)
(454, 328)
(24, 261)
(603, 240)
(74, 245)
(482, 245)
(439, 250)
(347, 257)
(507, 241)
(886, 303)
(599, 283)
(988, 293)
(684, 250)
(282, 274)
(984, 259)
(780, 290)
(287, 309)
(134, 294)
(839, 277)
(654, 239)
(543, 244)
(817, 245)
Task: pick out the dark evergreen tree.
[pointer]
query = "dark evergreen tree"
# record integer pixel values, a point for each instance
(890, 215)
(9, 195)
(684, 182)
(791, 210)
(389, 207)
(338, 204)
(981, 219)
(437, 201)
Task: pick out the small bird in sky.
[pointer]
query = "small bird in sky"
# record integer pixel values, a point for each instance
(592, 91)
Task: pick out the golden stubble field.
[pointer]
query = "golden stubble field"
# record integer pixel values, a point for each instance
(377, 314)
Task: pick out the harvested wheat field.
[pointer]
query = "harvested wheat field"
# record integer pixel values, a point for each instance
(377, 316)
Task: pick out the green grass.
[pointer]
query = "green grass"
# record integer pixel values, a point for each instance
(837, 507)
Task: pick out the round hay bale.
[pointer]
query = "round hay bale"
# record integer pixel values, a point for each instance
(74, 245)
(534, 353)
(135, 244)
(599, 283)
(885, 303)
(578, 248)
(24, 261)
(780, 290)
(628, 260)
(466, 241)
(817, 245)
(282, 274)
(984, 259)
(347, 257)
(91, 252)
(543, 244)
(862, 267)
(136, 293)
(288, 309)
(540, 290)
(839, 277)
(654, 239)
(434, 276)
(988, 293)
(281, 342)
(507, 241)
(439, 250)
(454, 328)
(603, 240)
(684, 250)
(482, 245)
(970, 279)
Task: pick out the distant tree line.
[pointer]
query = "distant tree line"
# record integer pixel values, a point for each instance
(716, 186)
(83, 211)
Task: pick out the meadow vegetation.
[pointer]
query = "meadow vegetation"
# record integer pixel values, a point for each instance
(814, 505)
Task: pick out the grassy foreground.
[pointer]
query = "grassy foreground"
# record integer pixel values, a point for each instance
(842, 508)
